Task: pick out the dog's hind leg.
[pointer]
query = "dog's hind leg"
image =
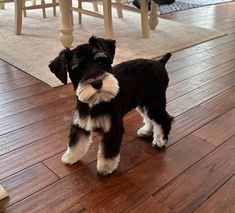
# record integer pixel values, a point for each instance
(147, 129)
(109, 150)
(79, 142)
(161, 122)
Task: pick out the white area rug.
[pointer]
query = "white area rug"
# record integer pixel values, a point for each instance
(39, 43)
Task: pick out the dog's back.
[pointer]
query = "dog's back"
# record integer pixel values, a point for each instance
(141, 81)
(143, 70)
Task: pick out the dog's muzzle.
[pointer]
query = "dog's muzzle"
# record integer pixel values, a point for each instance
(101, 89)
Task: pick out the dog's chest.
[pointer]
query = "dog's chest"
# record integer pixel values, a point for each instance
(101, 122)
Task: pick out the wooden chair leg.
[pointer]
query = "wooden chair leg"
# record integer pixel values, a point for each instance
(119, 10)
(79, 14)
(54, 7)
(18, 16)
(2, 6)
(95, 6)
(108, 18)
(144, 18)
(153, 16)
(24, 10)
(43, 8)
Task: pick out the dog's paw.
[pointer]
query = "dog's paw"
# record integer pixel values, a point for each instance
(69, 157)
(159, 143)
(145, 132)
(107, 166)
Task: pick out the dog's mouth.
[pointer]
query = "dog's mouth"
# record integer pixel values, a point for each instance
(95, 91)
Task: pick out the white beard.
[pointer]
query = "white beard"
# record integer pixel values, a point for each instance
(87, 94)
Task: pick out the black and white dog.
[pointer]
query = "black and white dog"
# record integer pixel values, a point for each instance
(105, 94)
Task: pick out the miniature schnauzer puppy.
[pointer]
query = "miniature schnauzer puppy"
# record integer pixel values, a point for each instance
(105, 94)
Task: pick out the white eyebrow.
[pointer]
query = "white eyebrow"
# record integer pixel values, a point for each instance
(99, 55)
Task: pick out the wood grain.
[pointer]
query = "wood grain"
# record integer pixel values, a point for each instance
(34, 115)
(219, 130)
(23, 92)
(222, 200)
(27, 182)
(151, 205)
(146, 177)
(32, 133)
(28, 103)
(192, 188)
(188, 122)
(189, 175)
(201, 94)
(221, 103)
(31, 154)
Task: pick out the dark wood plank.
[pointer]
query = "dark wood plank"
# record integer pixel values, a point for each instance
(221, 54)
(193, 187)
(32, 133)
(221, 201)
(16, 84)
(176, 77)
(33, 153)
(60, 196)
(7, 68)
(35, 101)
(201, 94)
(188, 122)
(76, 209)
(10, 76)
(221, 103)
(27, 182)
(218, 130)
(23, 92)
(147, 177)
(151, 205)
(198, 80)
(34, 115)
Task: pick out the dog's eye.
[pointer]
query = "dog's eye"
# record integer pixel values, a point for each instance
(101, 61)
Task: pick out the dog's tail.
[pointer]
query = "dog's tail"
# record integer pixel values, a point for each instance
(165, 58)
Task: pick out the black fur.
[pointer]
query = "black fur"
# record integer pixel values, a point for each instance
(142, 83)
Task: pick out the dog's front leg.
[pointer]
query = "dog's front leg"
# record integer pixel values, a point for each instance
(79, 142)
(109, 151)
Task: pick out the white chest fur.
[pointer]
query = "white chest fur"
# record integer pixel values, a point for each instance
(89, 124)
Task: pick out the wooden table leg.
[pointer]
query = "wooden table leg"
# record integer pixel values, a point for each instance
(153, 16)
(18, 16)
(144, 18)
(66, 28)
(108, 18)
(2, 6)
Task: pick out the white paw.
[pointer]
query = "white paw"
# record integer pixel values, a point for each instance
(107, 166)
(159, 142)
(70, 157)
(145, 131)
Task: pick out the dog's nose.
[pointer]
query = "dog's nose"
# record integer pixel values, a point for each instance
(97, 84)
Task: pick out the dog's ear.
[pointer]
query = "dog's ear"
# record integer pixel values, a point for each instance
(59, 66)
(106, 45)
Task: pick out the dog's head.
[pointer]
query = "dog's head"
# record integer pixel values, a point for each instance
(89, 68)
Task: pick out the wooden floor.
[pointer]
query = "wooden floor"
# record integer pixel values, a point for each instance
(196, 172)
